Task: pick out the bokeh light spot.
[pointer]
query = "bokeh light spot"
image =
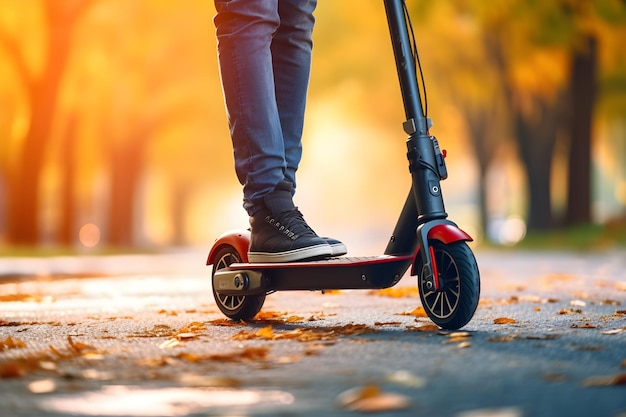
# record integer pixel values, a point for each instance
(89, 235)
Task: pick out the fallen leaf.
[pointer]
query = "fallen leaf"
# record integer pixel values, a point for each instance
(406, 378)
(387, 323)
(417, 312)
(193, 327)
(11, 343)
(269, 316)
(578, 303)
(605, 381)
(504, 320)
(294, 319)
(170, 343)
(570, 311)
(11, 370)
(493, 412)
(428, 327)
(19, 298)
(397, 292)
(158, 330)
(583, 326)
(196, 380)
(265, 333)
(168, 313)
(185, 336)
(502, 339)
(613, 331)
(79, 347)
(370, 399)
(225, 322)
(620, 313)
(554, 377)
(610, 302)
(464, 345)
(42, 386)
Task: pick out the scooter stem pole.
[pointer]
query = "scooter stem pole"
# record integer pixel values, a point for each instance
(405, 63)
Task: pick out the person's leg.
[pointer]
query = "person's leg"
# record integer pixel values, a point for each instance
(245, 30)
(291, 54)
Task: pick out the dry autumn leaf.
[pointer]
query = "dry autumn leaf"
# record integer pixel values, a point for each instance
(370, 399)
(19, 298)
(428, 327)
(169, 343)
(397, 292)
(266, 333)
(11, 343)
(417, 312)
(605, 381)
(193, 327)
(583, 326)
(79, 347)
(504, 320)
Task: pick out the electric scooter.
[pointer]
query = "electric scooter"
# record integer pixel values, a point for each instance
(423, 239)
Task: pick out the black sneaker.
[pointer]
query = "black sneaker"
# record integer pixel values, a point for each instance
(338, 247)
(279, 233)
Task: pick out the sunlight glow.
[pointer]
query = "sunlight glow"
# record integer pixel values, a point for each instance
(135, 401)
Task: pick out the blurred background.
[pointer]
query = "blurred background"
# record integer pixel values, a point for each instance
(113, 133)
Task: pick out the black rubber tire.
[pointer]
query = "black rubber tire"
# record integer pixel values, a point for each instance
(454, 305)
(236, 307)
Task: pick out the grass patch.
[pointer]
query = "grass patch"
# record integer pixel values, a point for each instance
(578, 238)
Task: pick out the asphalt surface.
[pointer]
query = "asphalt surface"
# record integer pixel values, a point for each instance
(141, 336)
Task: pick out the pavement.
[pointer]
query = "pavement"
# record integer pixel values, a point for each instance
(141, 336)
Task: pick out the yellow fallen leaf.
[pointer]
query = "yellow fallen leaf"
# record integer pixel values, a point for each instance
(169, 343)
(265, 333)
(428, 327)
(79, 347)
(398, 292)
(504, 320)
(11, 343)
(417, 312)
(370, 399)
(193, 327)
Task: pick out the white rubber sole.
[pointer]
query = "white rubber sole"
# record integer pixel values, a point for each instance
(318, 251)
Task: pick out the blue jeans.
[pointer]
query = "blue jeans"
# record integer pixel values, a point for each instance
(264, 49)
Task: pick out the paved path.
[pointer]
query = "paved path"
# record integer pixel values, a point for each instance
(548, 339)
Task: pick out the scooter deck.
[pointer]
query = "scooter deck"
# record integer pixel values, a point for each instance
(371, 272)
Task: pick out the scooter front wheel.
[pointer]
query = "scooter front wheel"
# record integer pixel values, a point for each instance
(236, 307)
(452, 306)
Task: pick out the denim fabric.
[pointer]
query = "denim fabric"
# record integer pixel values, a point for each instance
(264, 49)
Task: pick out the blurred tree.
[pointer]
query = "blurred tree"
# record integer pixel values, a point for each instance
(41, 83)
(544, 56)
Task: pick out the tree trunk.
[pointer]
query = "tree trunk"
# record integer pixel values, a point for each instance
(536, 132)
(126, 167)
(67, 228)
(24, 181)
(583, 90)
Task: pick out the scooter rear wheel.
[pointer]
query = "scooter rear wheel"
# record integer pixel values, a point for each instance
(236, 307)
(453, 305)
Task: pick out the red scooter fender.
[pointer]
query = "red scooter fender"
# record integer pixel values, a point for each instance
(445, 233)
(238, 239)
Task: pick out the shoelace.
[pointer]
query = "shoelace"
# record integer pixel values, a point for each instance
(291, 224)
